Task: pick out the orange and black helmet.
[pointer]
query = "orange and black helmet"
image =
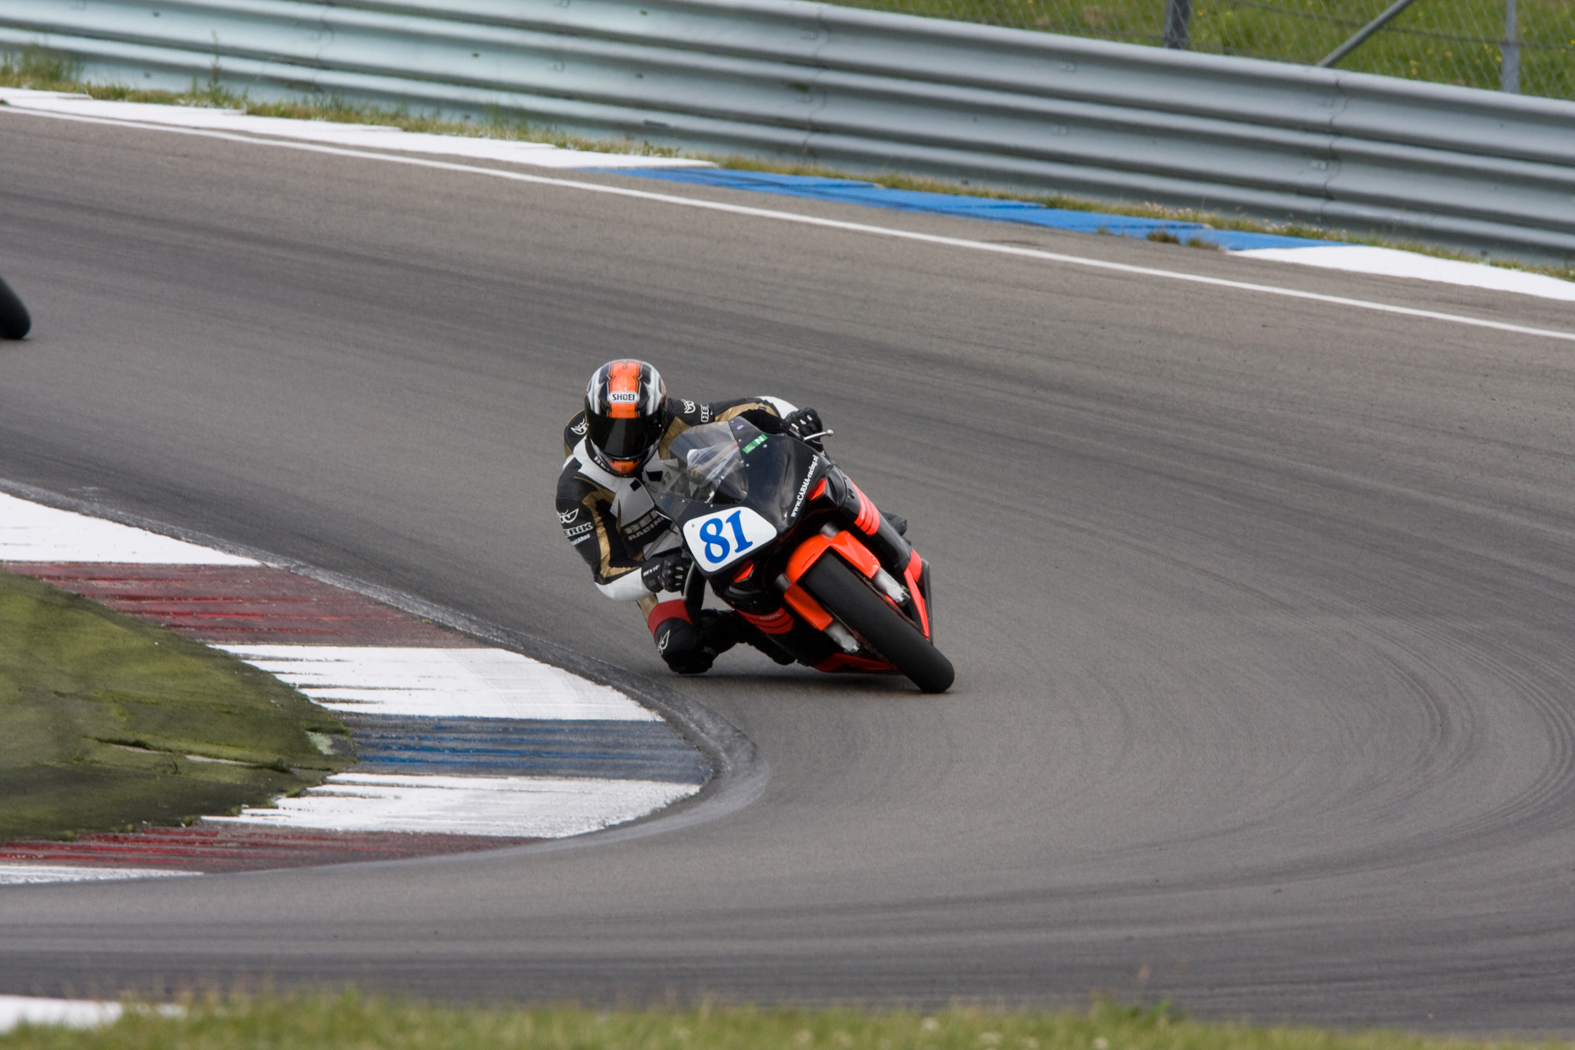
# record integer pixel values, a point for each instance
(625, 414)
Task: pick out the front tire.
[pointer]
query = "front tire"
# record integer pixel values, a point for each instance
(882, 627)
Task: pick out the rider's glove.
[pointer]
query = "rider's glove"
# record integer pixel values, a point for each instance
(666, 572)
(802, 424)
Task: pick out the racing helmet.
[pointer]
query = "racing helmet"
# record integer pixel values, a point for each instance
(625, 414)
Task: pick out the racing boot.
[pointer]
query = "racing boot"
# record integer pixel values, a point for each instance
(720, 631)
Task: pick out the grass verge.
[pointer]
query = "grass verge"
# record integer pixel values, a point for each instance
(351, 1020)
(44, 70)
(107, 722)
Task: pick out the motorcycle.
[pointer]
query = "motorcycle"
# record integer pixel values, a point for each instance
(786, 538)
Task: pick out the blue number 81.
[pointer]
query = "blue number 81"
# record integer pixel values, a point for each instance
(711, 533)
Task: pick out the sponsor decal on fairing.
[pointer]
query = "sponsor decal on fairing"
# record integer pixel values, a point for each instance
(799, 500)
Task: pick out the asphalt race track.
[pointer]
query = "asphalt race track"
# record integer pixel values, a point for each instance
(1261, 607)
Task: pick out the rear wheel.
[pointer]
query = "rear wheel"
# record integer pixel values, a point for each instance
(883, 628)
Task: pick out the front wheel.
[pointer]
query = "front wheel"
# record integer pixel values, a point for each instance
(882, 627)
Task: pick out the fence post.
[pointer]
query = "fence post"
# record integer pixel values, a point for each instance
(1509, 68)
(1178, 24)
(1366, 31)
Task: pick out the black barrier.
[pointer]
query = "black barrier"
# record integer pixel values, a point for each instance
(14, 322)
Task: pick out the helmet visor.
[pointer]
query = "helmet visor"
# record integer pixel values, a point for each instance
(629, 439)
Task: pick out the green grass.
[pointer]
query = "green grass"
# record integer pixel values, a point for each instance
(340, 1022)
(1446, 41)
(106, 722)
(50, 71)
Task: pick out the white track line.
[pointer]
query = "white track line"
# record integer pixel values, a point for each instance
(835, 224)
(513, 807)
(434, 683)
(1350, 258)
(33, 532)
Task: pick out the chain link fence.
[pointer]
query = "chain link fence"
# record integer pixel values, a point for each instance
(1501, 45)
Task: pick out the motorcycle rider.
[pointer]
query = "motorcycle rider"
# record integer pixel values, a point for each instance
(633, 550)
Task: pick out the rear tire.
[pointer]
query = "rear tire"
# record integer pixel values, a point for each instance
(14, 322)
(882, 627)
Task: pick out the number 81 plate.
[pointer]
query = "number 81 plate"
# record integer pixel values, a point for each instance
(718, 540)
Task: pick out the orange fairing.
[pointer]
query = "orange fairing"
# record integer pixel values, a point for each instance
(807, 607)
(819, 490)
(624, 378)
(914, 570)
(778, 622)
(845, 544)
(745, 573)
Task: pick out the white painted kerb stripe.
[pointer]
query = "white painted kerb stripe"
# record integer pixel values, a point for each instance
(33, 532)
(381, 680)
(515, 807)
(29, 874)
(433, 683)
(1390, 262)
(70, 1013)
(362, 136)
(852, 227)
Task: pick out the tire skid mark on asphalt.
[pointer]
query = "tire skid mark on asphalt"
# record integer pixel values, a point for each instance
(460, 746)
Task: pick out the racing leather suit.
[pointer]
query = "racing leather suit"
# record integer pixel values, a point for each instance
(614, 524)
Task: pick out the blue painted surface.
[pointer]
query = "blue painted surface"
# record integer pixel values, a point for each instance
(611, 750)
(853, 191)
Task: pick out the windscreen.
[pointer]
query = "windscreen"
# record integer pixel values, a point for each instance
(706, 464)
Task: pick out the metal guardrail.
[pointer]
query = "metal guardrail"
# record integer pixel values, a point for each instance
(870, 91)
